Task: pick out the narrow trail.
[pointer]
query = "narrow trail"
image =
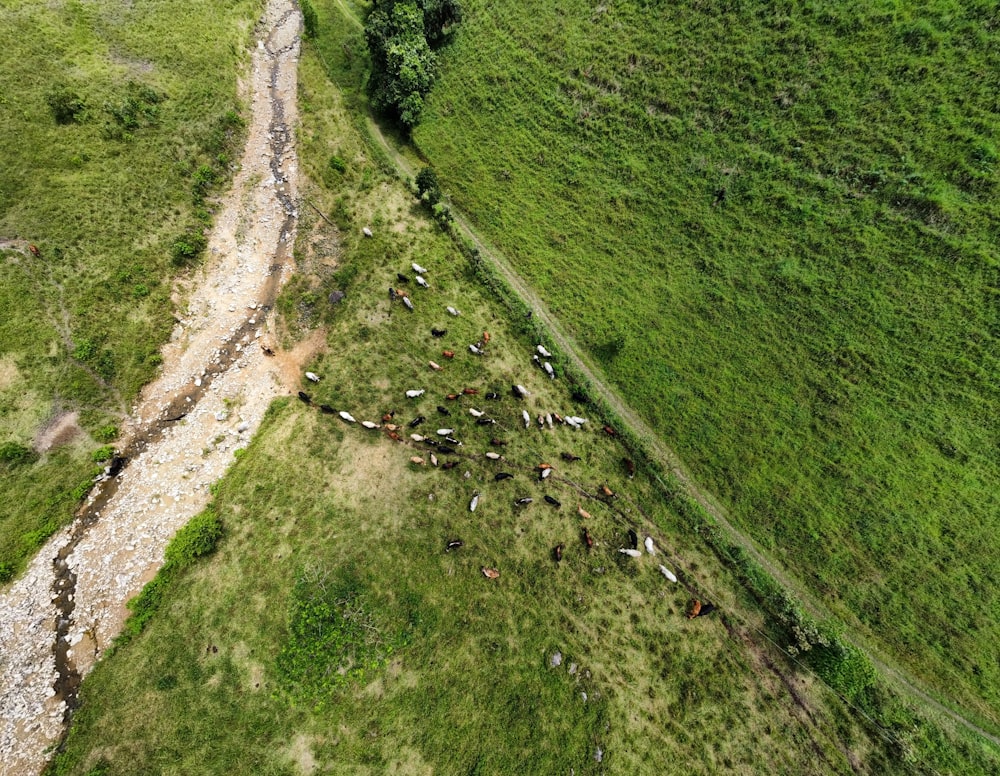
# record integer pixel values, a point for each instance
(216, 383)
(654, 445)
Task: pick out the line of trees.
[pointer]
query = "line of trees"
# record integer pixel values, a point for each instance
(402, 37)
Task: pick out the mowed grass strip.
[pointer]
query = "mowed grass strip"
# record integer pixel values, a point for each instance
(458, 674)
(117, 126)
(775, 231)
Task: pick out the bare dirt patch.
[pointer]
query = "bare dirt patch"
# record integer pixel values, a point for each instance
(60, 430)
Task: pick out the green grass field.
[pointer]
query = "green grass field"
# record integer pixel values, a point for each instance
(775, 227)
(332, 633)
(115, 124)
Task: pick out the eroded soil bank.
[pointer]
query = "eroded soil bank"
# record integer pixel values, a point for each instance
(216, 383)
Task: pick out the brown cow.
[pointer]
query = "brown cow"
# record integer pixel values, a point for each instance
(694, 609)
(34, 251)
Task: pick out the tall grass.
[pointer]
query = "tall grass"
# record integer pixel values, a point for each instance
(115, 122)
(774, 227)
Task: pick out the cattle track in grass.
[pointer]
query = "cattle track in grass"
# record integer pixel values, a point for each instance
(657, 449)
(213, 390)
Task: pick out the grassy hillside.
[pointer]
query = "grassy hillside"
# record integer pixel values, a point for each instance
(775, 227)
(333, 557)
(115, 125)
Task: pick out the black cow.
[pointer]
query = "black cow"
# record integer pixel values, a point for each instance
(552, 501)
(557, 552)
(569, 457)
(326, 409)
(438, 332)
(443, 410)
(633, 539)
(305, 397)
(503, 476)
(454, 544)
(417, 421)
(523, 502)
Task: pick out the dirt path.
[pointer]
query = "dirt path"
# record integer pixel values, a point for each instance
(216, 383)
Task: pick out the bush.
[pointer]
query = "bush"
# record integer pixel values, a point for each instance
(187, 247)
(194, 540)
(428, 189)
(102, 453)
(337, 164)
(13, 454)
(65, 104)
(309, 20)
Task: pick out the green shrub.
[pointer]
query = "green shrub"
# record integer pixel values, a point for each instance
(14, 454)
(188, 247)
(309, 19)
(106, 433)
(6, 572)
(195, 539)
(66, 105)
(337, 164)
(102, 453)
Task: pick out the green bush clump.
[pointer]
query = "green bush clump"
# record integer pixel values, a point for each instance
(188, 247)
(310, 21)
(14, 454)
(194, 540)
(66, 105)
(102, 453)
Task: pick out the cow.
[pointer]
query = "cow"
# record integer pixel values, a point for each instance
(629, 467)
(438, 332)
(630, 552)
(549, 370)
(422, 283)
(694, 609)
(486, 338)
(452, 440)
(608, 493)
(453, 311)
(305, 397)
(443, 410)
(582, 512)
(569, 457)
(449, 465)
(633, 539)
(417, 437)
(415, 393)
(543, 352)
(557, 552)
(492, 396)
(445, 432)
(312, 377)
(369, 425)
(418, 269)
(408, 303)
(485, 422)
(523, 502)
(498, 442)
(648, 544)
(417, 460)
(452, 396)
(667, 573)
(366, 231)
(519, 391)
(402, 278)
(503, 476)
(475, 501)
(587, 538)
(610, 431)
(445, 450)
(454, 544)
(476, 413)
(416, 421)
(706, 609)
(494, 456)
(554, 502)
(475, 351)
(267, 350)
(448, 353)
(395, 437)
(544, 474)
(436, 367)
(326, 409)
(348, 417)
(389, 416)
(469, 391)
(490, 573)
(34, 251)
(392, 294)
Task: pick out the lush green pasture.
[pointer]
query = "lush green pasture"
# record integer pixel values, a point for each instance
(112, 194)
(333, 557)
(775, 227)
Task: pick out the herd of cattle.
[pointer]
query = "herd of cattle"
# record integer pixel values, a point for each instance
(444, 442)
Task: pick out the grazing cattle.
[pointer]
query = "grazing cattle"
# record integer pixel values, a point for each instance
(445, 450)
(452, 396)
(607, 491)
(449, 465)
(369, 425)
(587, 538)
(391, 427)
(326, 409)
(490, 573)
(485, 422)
(520, 392)
(417, 460)
(475, 351)
(492, 396)
(582, 512)
(569, 457)
(629, 467)
(486, 338)
(395, 437)
(522, 502)
(267, 350)
(445, 431)
(497, 442)
(648, 544)
(630, 552)
(541, 421)
(527, 418)
(453, 441)
(312, 377)
(694, 609)
(557, 552)
(408, 303)
(503, 476)
(633, 539)
(415, 393)
(545, 474)
(402, 278)
(117, 464)
(392, 294)
(453, 311)
(475, 501)
(443, 410)
(434, 460)
(418, 269)
(34, 251)
(305, 397)
(558, 417)
(430, 442)
(667, 573)
(549, 370)
(544, 466)
(476, 413)
(348, 417)
(548, 419)
(416, 421)
(389, 416)
(552, 501)
(543, 352)
(422, 283)
(470, 391)
(705, 610)
(434, 366)
(448, 353)
(610, 431)
(571, 421)
(494, 456)
(366, 231)
(576, 420)
(438, 332)
(454, 544)
(417, 437)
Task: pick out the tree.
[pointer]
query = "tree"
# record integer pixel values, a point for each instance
(428, 188)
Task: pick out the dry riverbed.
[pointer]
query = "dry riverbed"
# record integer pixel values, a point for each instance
(216, 383)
